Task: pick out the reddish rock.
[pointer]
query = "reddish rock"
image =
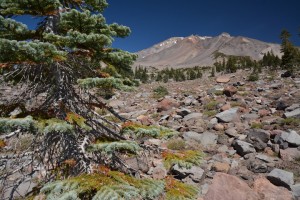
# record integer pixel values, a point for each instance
(167, 104)
(228, 187)
(263, 113)
(225, 107)
(289, 154)
(219, 127)
(145, 120)
(223, 79)
(159, 173)
(230, 91)
(268, 191)
(221, 167)
(269, 151)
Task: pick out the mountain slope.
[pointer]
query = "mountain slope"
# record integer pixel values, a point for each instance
(196, 50)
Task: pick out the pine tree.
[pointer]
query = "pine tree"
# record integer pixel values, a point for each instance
(290, 58)
(58, 63)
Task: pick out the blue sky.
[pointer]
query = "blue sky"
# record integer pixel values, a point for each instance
(153, 21)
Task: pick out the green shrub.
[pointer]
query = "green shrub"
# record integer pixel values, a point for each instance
(160, 91)
(253, 77)
(291, 121)
(176, 144)
(210, 113)
(256, 125)
(211, 105)
(184, 158)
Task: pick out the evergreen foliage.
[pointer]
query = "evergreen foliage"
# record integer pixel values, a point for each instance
(112, 147)
(176, 190)
(8, 124)
(138, 131)
(184, 158)
(160, 91)
(111, 185)
(178, 75)
(291, 55)
(230, 63)
(57, 64)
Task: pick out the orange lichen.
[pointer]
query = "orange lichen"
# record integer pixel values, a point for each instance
(178, 190)
(2, 144)
(70, 162)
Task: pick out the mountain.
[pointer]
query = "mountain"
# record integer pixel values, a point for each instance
(200, 51)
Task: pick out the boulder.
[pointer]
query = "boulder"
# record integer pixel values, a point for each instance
(228, 115)
(206, 139)
(268, 191)
(167, 104)
(229, 91)
(183, 112)
(289, 154)
(159, 173)
(227, 106)
(192, 116)
(293, 107)
(219, 127)
(195, 173)
(243, 148)
(294, 113)
(292, 137)
(231, 132)
(296, 191)
(223, 79)
(228, 187)
(221, 167)
(281, 177)
(259, 133)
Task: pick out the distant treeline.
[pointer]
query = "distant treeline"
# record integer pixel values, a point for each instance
(181, 74)
(229, 63)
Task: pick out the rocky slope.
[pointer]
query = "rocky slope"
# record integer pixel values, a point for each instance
(249, 131)
(199, 51)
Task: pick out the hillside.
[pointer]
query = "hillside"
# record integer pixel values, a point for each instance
(199, 51)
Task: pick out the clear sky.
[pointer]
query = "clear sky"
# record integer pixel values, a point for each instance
(153, 21)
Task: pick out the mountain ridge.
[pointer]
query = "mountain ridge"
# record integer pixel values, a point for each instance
(197, 50)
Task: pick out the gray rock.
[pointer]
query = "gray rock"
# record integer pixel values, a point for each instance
(15, 112)
(231, 132)
(276, 86)
(258, 167)
(292, 137)
(243, 148)
(192, 116)
(215, 89)
(258, 144)
(212, 123)
(228, 115)
(281, 178)
(195, 173)
(296, 190)
(259, 133)
(292, 107)
(183, 112)
(294, 113)
(264, 158)
(206, 139)
(250, 116)
(282, 144)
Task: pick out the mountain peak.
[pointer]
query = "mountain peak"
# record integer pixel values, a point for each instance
(197, 50)
(224, 34)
